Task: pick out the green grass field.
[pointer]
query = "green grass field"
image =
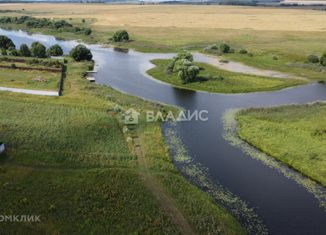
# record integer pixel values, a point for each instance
(232, 82)
(56, 135)
(68, 160)
(31, 79)
(294, 135)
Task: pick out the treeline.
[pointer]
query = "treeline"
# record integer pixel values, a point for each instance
(59, 25)
(38, 50)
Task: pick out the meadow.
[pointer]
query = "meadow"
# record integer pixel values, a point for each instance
(69, 160)
(278, 39)
(32, 79)
(212, 79)
(28, 73)
(294, 135)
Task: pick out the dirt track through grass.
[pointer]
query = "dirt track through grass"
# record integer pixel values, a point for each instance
(159, 193)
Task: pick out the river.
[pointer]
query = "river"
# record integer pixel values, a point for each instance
(281, 203)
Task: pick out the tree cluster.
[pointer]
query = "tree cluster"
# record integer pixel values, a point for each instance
(37, 49)
(183, 65)
(80, 53)
(31, 22)
(315, 59)
(120, 36)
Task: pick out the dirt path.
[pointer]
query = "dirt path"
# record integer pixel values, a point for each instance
(238, 67)
(31, 92)
(160, 194)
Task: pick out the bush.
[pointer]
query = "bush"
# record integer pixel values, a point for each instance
(55, 50)
(187, 71)
(24, 50)
(61, 24)
(12, 52)
(313, 59)
(38, 50)
(13, 66)
(80, 52)
(120, 36)
(211, 47)
(225, 48)
(88, 31)
(182, 55)
(323, 59)
(243, 51)
(5, 42)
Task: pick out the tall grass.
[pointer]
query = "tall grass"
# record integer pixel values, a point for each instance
(294, 135)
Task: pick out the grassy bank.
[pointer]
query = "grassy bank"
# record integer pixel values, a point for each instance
(68, 160)
(212, 79)
(303, 127)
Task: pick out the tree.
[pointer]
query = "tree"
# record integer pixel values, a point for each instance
(176, 62)
(313, 59)
(24, 50)
(80, 52)
(3, 51)
(120, 36)
(5, 42)
(184, 55)
(224, 48)
(243, 51)
(38, 50)
(187, 71)
(12, 51)
(323, 59)
(88, 31)
(54, 50)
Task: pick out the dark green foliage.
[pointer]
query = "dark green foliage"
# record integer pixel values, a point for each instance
(12, 52)
(323, 59)
(24, 50)
(61, 24)
(87, 31)
(213, 47)
(243, 51)
(80, 52)
(3, 51)
(13, 66)
(38, 50)
(225, 48)
(313, 59)
(31, 22)
(182, 55)
(120, 36)
(187, 71)
(55, 50)
(5, 42)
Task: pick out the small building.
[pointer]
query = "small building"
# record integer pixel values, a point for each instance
(2, 147)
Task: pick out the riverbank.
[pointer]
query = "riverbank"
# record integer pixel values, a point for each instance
(274, 44)
(212, 79)
(70, 125)
(303, 128)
